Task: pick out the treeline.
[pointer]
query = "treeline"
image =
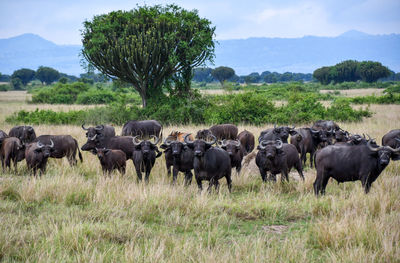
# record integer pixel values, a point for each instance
(352, 70)
(208, 75)
(45, 75)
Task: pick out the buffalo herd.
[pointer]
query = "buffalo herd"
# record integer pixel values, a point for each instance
(213, 152)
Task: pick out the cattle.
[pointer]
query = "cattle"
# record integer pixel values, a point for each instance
(247, 140)
(392, 139)
(37, 154)
(145, 129)
(25, 133)
(180, 157)
(210, 163)
(3, 135)
(236, 152)
(111, 160)
(100, 131)
(277, 157)
(144, 156)
(13, 150)
(362, 162)
(341, 136)
(327, 125)
(123, 143)
(203, 134)
(64, 146)
(277, 133)
(307, 140)
(178, 136)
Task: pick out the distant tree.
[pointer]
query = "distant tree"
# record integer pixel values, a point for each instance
(323, 75)
(371, 71)
(347, 71)
(16, 83)
(148, 46)
(202, 75)
(47, 75)
(252, 78)
(63, 80)
(71, 78)
(222, 73)
(5, 78)
(24, 74)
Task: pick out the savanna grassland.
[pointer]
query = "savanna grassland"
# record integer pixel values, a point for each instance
(77, 215)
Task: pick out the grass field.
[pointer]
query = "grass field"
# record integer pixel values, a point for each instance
(77, 215)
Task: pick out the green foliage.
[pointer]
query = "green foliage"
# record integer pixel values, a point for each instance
(63, 80)
(47, 75)
(16, 84)
(59, 93)
(389, 98)
(222, 73)
(5, 87)
(24, 74)
(371, 71)
(147, 45)
(340, 110)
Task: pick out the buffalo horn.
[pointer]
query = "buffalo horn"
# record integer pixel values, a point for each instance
(83, 127)
(372, 148)
(156, 139)
(134, 140)
(93, 138)
(167, 142)
(397, 139)
(330, 130)
(39, 144)
(262, 144)
(99, 127)
(186, 140)
(52, 143)
(237, 143)
(393, 150)
(280, 144)
(223, 143)
(214, 139)
(314, 131)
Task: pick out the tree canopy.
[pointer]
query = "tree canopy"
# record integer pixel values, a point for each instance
(147, 46)
(24, 74)
(47, 75)
(222, 73)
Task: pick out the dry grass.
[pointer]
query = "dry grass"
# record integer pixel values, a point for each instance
(357, 92)
(75, 214)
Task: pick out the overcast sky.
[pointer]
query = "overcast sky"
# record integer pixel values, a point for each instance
(60, 21)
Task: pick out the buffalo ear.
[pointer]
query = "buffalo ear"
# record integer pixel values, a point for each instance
(292, 132)
(107, 151)
(185, 147)
(191, 146)
(163, 146)
(158, 154)
(395, 156)
(38, 150)
(208, 146)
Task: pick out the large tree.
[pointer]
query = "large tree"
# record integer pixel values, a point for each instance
(24, 74)
(222, 73)
(371, 71)
(148, 46)
(47, 75)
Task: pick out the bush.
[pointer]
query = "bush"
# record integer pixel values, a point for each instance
(5, 87)
(59, 93)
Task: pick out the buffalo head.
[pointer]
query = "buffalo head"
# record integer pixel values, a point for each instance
(270, 148)
(199, 146)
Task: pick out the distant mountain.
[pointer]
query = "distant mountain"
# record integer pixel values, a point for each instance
(244, 55)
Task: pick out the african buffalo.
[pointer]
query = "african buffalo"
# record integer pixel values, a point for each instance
(64, 146)
(246, 139)
(351, 163)
(100, 131)
(235, 151)
(277, 133)
(144, 156)
(203, 134)
(327, 125)
(307, 140)
(25, 133)
(180, 157)
(341, 136)
(123, 143)
(111, 160)
(145, 129)
(3, 135)
(277, 157)
(392, 138)
(37, 154)
(210, 163)
(11, 149)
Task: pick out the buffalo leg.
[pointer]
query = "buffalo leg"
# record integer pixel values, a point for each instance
(284, 176)
(199, 184)
(139, 174)
(210, 184)
(168, 170)
(188, 178)
(175, 172)
(299, 169)
(263, 174)
(229, 182)
(272, 177)
(238, 169)
(216, 184)
(122, 169)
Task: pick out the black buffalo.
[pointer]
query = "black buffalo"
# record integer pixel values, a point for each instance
(145, 129)
(392, 139)
(100, 132)
(277, 158)
(220, 131)
(277, 133)
(307, 140)
(327, 125)
(204, 134)
(25, 133)
(210, 163)
(351, 163)
(3, 135)
(341, 136)
(180, 157)
(64, 146)
(111, 160)
(246, 139)
(37, 154)
(236, 152)
(11, 149)
(144, 156)
(123, 143)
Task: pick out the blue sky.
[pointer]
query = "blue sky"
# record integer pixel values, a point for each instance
(61, 21)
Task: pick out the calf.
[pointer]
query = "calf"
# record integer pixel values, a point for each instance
(144, 156)
(11, 149)
(111, 160)
(37, 154)
(180, 157)
(235, 151)
(277, 157)
(210, 163)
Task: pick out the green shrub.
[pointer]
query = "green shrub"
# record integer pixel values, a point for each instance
(5, 87)
(59, 93)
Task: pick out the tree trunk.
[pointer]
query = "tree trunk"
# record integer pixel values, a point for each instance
(144, 100)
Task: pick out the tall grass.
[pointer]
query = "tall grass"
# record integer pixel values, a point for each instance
(77, 215)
